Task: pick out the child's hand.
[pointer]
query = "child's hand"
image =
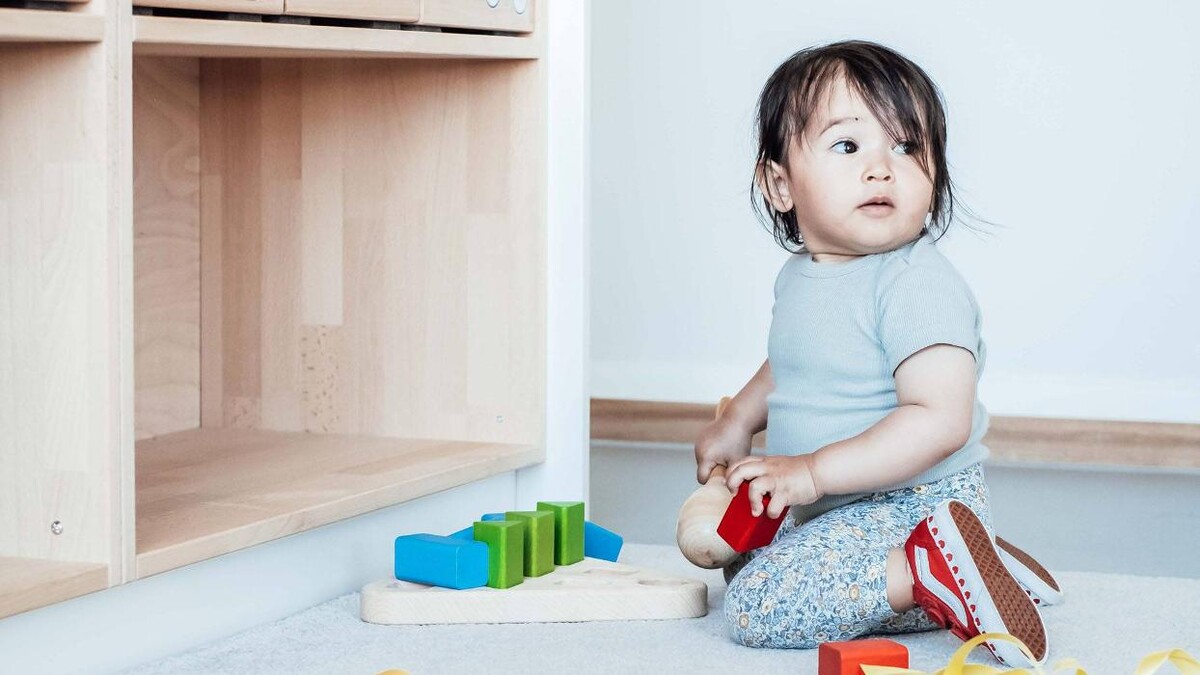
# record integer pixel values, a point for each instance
(721, 442)
(789, 481)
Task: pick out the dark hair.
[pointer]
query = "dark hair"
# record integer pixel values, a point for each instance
(905, 100)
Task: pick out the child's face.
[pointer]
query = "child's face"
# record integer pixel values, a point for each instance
(834, 171)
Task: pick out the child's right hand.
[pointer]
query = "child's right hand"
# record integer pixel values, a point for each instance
(723, 441)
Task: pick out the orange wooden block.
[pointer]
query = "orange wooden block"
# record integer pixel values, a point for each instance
(844, 658)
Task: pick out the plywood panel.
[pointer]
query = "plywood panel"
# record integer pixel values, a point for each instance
(166, 193)
(382, 249)
(57, 449)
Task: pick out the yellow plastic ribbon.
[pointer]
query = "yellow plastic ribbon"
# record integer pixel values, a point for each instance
(1184, 662)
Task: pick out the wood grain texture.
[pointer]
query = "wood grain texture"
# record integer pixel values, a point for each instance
(205, 492)
(589, 590)
(371, 268)
(29, 583)
(173, 36)
(381, 249)
(166, 196)
(36, 25)
(1009, 438)
(57, 449)
(58, 325)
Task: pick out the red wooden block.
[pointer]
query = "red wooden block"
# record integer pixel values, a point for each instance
(743, 531)
(845, 658)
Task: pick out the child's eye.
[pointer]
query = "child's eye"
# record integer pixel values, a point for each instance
(907, 147)
(851, 149)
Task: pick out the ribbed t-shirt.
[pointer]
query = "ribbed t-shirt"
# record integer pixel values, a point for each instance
(838, 332)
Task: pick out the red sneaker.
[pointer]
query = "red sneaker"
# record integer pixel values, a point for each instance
(1037, 581)
(961, 583)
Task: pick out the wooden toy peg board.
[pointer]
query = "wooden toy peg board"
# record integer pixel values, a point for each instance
(589, 590)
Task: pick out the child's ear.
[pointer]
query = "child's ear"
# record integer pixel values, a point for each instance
(773, 183)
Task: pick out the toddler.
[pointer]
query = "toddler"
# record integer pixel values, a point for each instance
(868, 391)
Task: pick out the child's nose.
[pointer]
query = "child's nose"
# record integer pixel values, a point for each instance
(878, 171)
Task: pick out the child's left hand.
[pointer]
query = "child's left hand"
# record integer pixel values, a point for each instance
(788, 479)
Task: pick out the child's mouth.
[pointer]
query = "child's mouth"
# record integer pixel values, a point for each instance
(877, 209)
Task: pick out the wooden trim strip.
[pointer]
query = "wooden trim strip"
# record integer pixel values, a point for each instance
(1031, 439)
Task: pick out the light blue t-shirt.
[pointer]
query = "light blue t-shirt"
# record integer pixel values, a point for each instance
(838, 333)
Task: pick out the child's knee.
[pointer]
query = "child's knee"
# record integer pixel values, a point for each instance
(757, 619)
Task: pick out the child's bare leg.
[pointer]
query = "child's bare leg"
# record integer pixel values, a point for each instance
(899, 582)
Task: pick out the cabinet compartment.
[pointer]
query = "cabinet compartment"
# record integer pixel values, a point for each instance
(58, 447)
(339, 290)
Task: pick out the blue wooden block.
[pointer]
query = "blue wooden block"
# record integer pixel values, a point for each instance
(467, 533)
(600, 543)
(492, 516)
(434, 560)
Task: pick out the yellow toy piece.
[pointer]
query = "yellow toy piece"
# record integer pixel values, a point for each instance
(1184, 662)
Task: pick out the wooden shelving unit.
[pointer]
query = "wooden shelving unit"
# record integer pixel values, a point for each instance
(36, 25)
(205, 492)
(319, 291)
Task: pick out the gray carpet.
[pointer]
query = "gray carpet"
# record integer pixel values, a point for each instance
(1108, 622)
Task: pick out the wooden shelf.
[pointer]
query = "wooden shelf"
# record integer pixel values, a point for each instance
(174, 36)
(30, 583)
(39, 25)
(206, 492)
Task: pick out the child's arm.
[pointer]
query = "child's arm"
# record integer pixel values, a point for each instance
(935, 390)
(727, 439)
(749, 406)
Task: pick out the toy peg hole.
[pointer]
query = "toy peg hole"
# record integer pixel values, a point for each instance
(610, 572)
(662, 582)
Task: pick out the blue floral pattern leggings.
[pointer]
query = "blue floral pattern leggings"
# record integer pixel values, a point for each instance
(825, 580)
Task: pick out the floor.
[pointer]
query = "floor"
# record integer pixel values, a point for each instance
(1152, 614)
(1081, 518)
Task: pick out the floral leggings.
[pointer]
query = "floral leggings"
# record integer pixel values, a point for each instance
(825, 580)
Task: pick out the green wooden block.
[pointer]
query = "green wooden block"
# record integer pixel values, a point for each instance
(568, 530)
(539, 540)
(506, 551)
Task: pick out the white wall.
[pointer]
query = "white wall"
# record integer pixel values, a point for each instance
(184, 608)
(1072, 124)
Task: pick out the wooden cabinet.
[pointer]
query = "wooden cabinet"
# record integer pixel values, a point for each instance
(272, 284)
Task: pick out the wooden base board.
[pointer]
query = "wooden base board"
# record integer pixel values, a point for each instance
(589, 590)
(1023, 439)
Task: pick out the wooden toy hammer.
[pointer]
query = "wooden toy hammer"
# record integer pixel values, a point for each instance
(696, 529)
(714, 526)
